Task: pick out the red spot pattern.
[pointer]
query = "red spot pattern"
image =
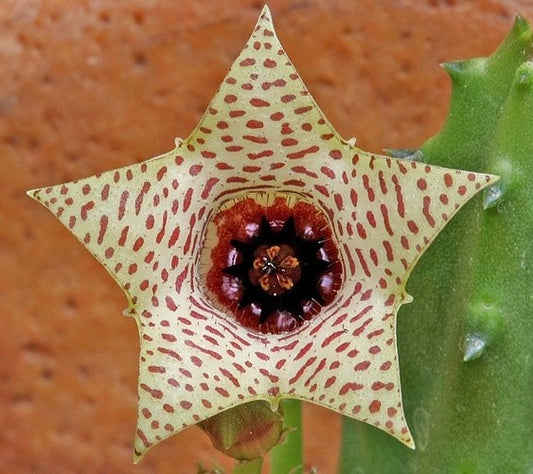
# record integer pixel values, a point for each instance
(146, 224)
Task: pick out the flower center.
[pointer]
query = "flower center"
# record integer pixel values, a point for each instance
(270, 260)
(279, 271)
(275, 269)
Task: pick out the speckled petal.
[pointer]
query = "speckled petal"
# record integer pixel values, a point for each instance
(263, 133)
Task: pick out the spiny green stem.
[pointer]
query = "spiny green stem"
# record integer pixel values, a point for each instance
(287, 458)
(474, 284)
(248, 467)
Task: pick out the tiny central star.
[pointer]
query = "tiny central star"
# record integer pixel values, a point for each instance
(279, 271)
(275, 269)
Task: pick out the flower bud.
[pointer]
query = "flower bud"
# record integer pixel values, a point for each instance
(247, 431)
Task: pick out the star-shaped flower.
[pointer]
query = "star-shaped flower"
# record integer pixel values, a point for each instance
(263, 152)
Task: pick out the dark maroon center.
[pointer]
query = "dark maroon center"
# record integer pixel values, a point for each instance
(279, 271)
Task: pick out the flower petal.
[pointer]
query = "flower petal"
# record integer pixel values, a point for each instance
(146, 223)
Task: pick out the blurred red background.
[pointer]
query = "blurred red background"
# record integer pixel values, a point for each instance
(93, 85)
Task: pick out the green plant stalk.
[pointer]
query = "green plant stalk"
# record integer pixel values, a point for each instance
(248, 467)
(288, 456)
(466, 343)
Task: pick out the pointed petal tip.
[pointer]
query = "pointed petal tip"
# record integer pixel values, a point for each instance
(35, 194)
(490, 180)
(406, 437)
(483, 180)
(266, 14)
(138, 452)
(31, 193)
(265, 17)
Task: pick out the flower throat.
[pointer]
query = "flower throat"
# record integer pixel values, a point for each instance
(279, 271)
(273, 261)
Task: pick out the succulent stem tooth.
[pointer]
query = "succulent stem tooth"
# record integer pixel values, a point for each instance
(474, 347)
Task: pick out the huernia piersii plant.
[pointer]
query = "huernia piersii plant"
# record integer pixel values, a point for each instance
(265, 257)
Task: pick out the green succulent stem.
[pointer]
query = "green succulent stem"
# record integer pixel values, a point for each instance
(287, 458)
(248, 467)
(466, 342)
